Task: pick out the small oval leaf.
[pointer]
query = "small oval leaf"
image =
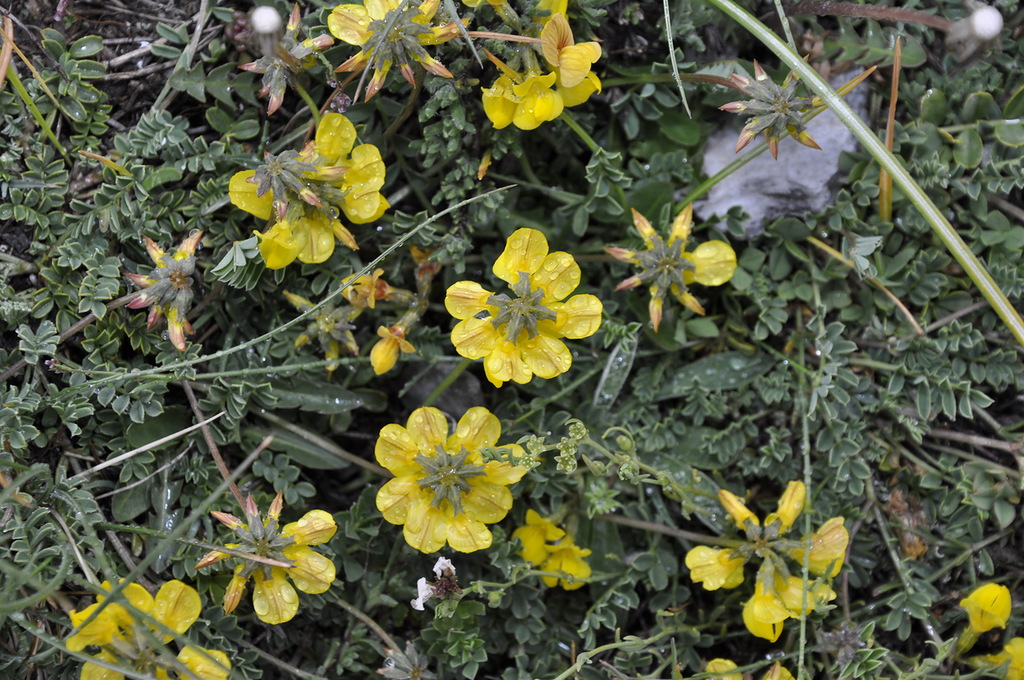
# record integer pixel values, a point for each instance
(969, 149)
(86, 47)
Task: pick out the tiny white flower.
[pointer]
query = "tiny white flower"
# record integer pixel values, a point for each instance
(442, 566)
(266, 20)
(425, 591)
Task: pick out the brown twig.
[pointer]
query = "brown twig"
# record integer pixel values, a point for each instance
(214, 450)
(849, 9)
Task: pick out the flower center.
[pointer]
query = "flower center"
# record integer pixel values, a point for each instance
(663, 265)
(264, 540)
(447, 475)
(521, 313)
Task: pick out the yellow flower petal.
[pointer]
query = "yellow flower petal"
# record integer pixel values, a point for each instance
(715, 568)
(384, 355)
(273, 599)
(525, 251)
(540, 104)
(206, 664)
(350, 23)
(426, 529)
(681, 225)
(313, 573)
(395, 450)
(91, 671)
(177, 606)
(768, 630)
(397, 497)
(791, 592)
(315, 238)
(715, 263)
(988, 607)
(578, 317)
(505, 363)
(737, 509)
(467, 534)
(477, 428)
(567, 557)
(500, 102)
(828, 548)
(428, 427)
(335, 135)
(546, 356)
(502, 472)
(486, 502)
(721, 668)
(791, 504)
(558, 275)
(574, 62)
(100, 631)
(475, 338)
(466, 299)
(278, 246)
(581, 92)
(243, 195)
(313, 528)
(555, 36)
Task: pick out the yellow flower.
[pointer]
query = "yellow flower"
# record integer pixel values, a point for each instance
(307, 190)
(828, 548)
(274, 598)
(790, 590)
(777, 672)
(764, 613)
(791, 504)
(390, 32)
(553, 550)
(535, 536)
(520, 337)
(1012, 655)
(384, 354)
(715, 567)
(129, 641)
(737, 509)
(721, 668)
(988, 607)
(168, 288)
(566, 557)
(572, 61)
(443, 490)
(668, 266)
(522, 99)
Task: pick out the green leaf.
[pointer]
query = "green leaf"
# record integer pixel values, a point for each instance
(318, 397)
(1010, 133)
(39, 343)
(160, 176)
(969, 149)
(723, 371)
(193, 82)
(86, 47)
(302, 451)
(980, 106)
(934, 106)
(1015, 105)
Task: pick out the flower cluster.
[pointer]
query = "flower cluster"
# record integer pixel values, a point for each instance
(168, 288)
(269, 553)
(1012, 655)
(445, 588)
(305, 191)
(384, 354)
(534, 96)
(389, 33)
(443, 491)
(551, 549)
(135, 636)
(773, 110)
(282, 60)
(778, 593)
(668, 267)
(519, 337)
(332, 325)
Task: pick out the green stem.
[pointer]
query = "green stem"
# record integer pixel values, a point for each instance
(19, 87)
(313, 108)
(449, 379)
(578, 129)
(874, 146)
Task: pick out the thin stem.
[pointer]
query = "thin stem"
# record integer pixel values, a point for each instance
(325, 444)
(645, 525)
(931, 213)
(672, 56)
(578, 129)
(449, 379)
(370, 623)
(310, 104)
(211, 444)
(850, 9)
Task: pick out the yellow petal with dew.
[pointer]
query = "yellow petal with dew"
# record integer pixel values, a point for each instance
(426, 529)
(100, 631)
(467, 534)
(278, 246)
(505, 363)
(318, 242)
(475, 338)
(555, 36)
(791, 504)
(715, 568)
(761, 629)
(721, 668)
(828, 548)
(313, 528)
(546, 356)
(681, 225)
(395, 450)
(466, 299)
(790, 590)
(177, 606)
(540, 105)
(524, 252)
(274, 599)
(581, 91)
(313, 573)
(243, 195)
(335, 136)
(558, 275)
(737, 509)
(714, 262)
(567, 557)
(429, 427)
(205, 664)
(350, 23)
(397, 497)
(476, 429)
(384, 355)
(578, 317)
(91, 671)
(486, 502)
(574, 62)
(502, 472)
(500, 102)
